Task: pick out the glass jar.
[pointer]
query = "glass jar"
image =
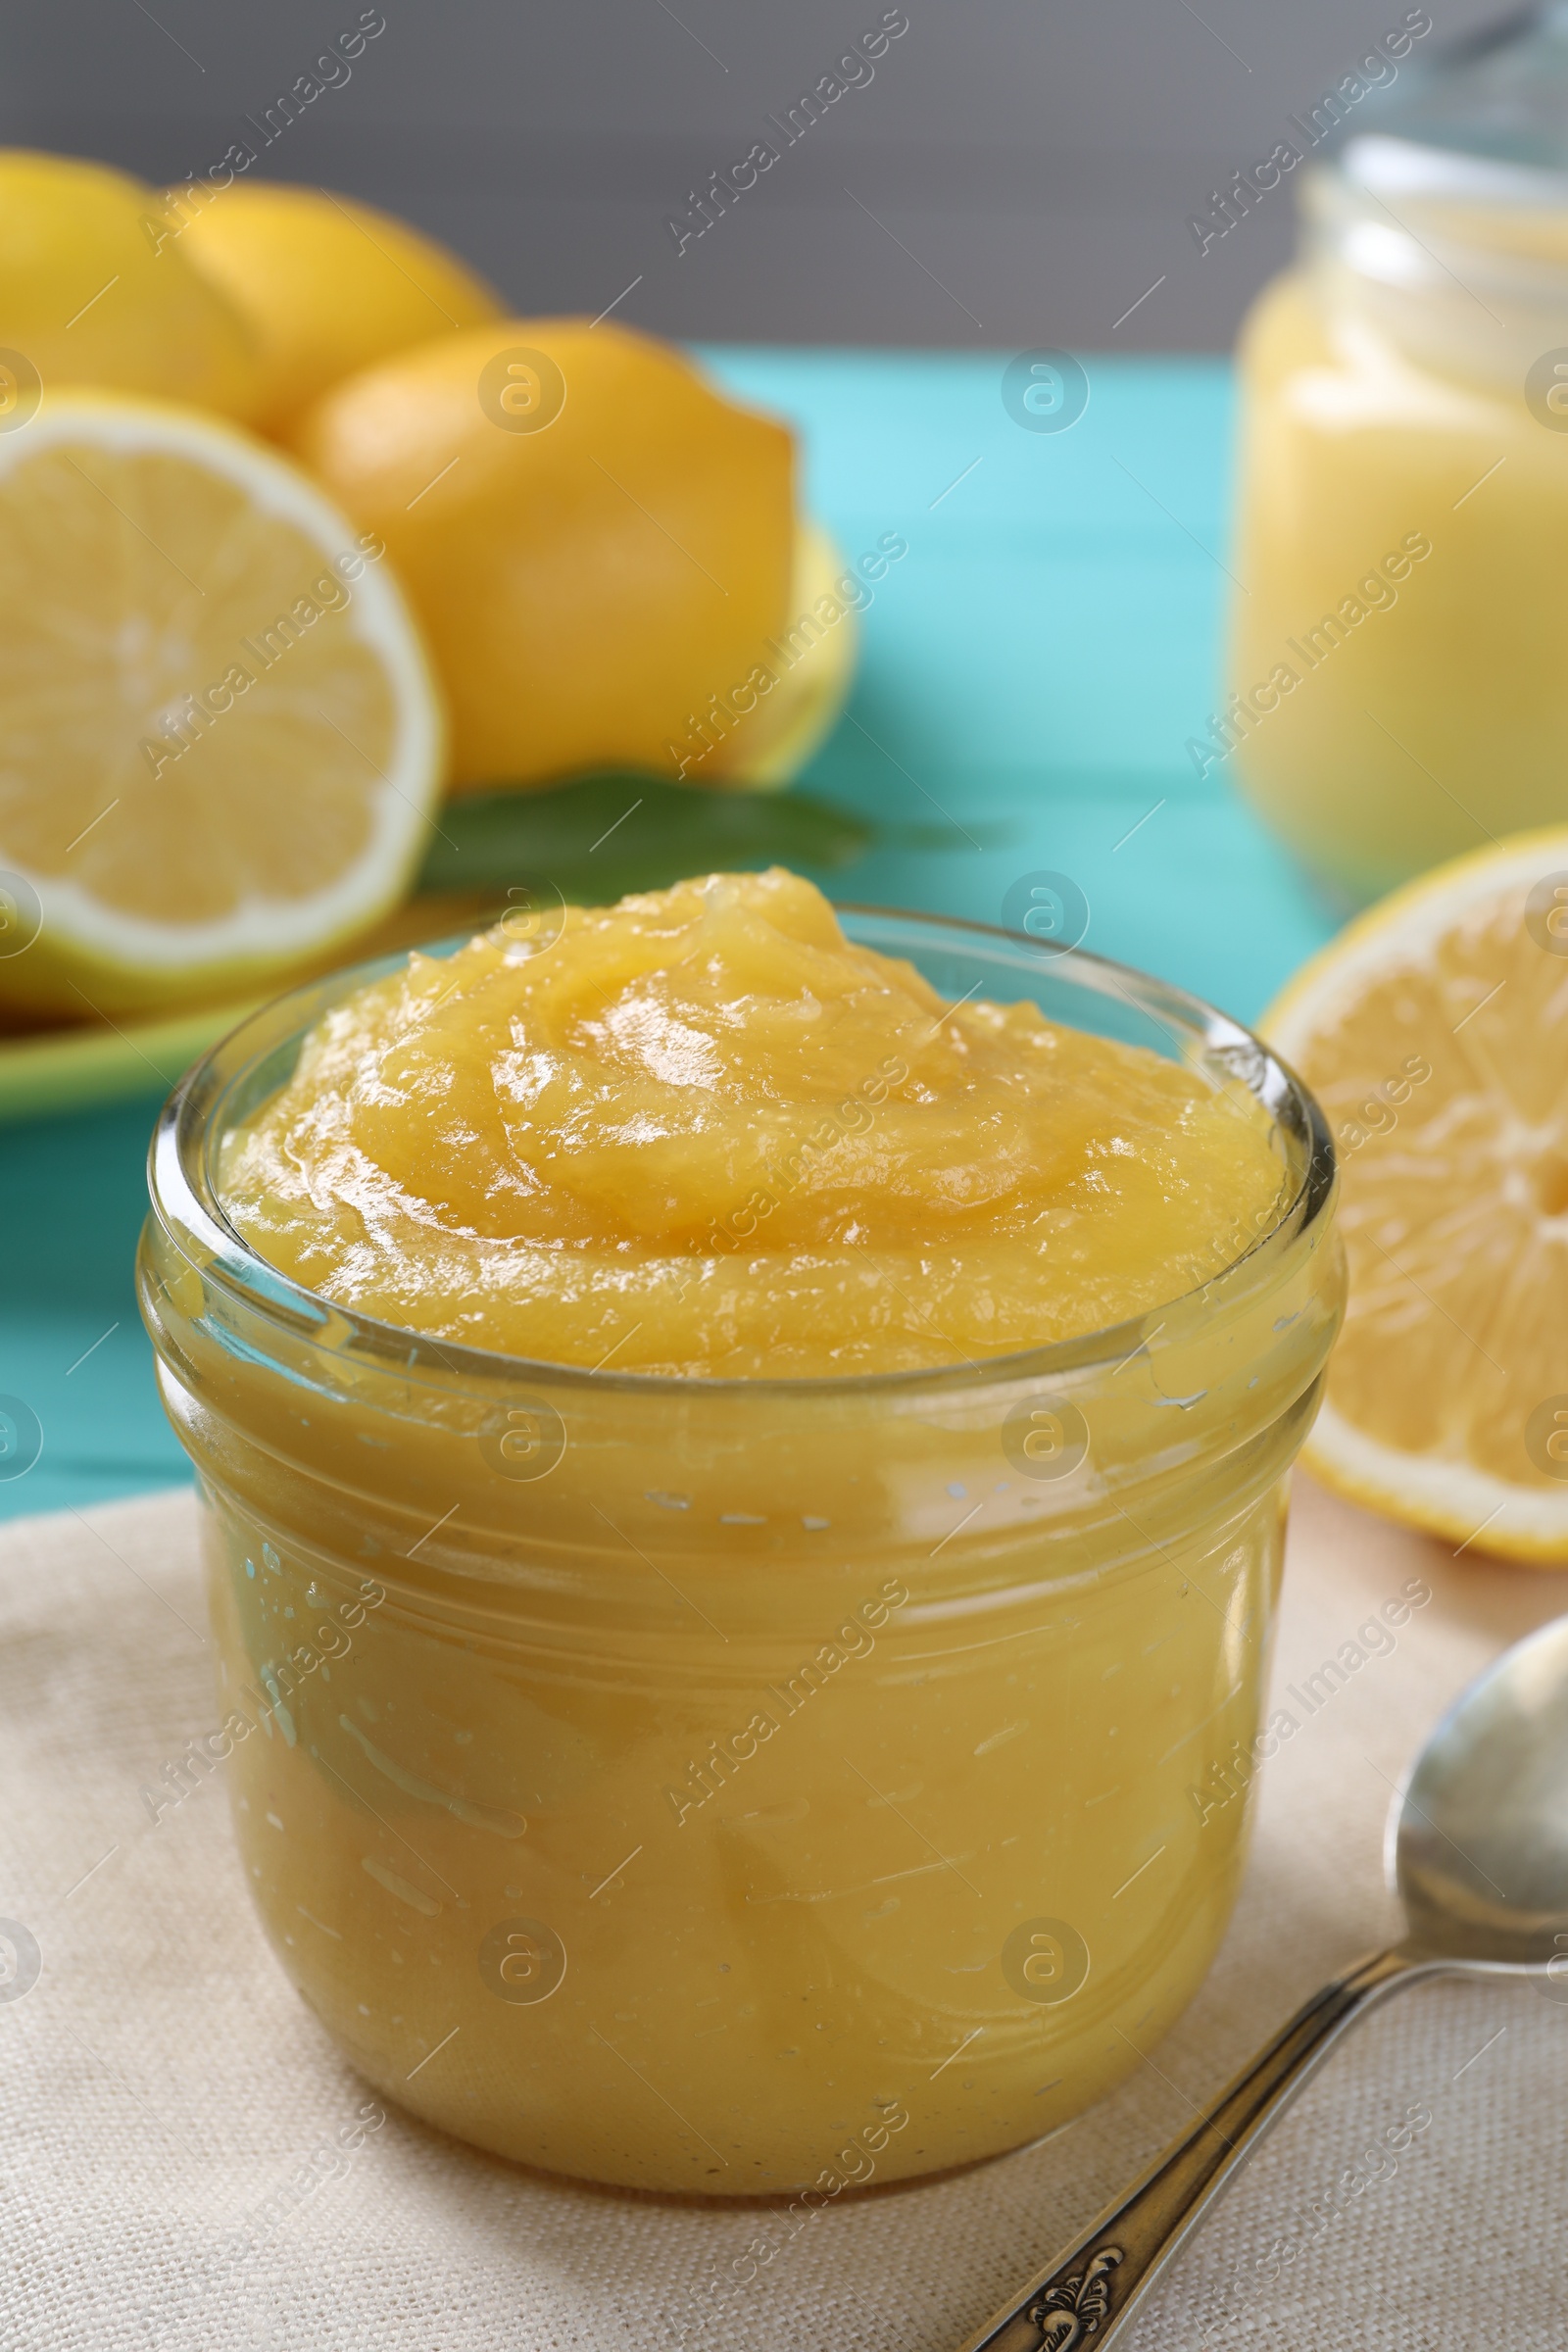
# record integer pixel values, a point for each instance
(745, 1787)
(1397, 692)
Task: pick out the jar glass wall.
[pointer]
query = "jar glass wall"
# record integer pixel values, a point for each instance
(729, 1785)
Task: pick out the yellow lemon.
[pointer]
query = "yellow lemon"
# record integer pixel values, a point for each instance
(599, 543)
(222, 741)
(812, 664)
(1435, 1033)
(326, 286)
(86, 296)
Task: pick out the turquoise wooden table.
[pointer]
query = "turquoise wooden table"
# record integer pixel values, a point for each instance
(1033, 667)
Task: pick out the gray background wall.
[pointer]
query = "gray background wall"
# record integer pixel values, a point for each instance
(1018, 172)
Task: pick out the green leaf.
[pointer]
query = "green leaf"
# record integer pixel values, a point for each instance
(612, 833)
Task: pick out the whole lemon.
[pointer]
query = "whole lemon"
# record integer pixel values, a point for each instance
(88, 296)
(597, 543)
(326, 286)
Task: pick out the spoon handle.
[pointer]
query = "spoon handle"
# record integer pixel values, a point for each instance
(1089, 2291)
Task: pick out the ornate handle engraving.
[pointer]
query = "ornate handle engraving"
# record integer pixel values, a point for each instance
(1067, 2314)
(1086, 2295)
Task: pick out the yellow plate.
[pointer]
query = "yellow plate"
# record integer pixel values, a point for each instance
(67, 1069)
(589, 841)
(48, 1070)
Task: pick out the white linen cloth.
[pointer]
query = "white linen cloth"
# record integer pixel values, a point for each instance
(187, 2161)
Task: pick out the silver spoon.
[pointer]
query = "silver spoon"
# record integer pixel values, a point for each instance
(1478, 1853)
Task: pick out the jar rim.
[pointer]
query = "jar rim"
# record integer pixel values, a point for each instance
(189, 1208)
(1399, 215)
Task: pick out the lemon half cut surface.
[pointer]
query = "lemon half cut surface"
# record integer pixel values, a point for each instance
(1435, 1032)
(220, 743)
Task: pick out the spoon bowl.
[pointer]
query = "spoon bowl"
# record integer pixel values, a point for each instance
(1478, 1836)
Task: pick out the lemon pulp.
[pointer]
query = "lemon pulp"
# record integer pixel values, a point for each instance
(701, 1132)
(222, 739)
(1432, 1032)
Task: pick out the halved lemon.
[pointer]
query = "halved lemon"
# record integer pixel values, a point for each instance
(220, 741)
(1435, 1032)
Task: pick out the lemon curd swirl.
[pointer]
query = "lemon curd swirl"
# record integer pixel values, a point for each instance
(703, 1133)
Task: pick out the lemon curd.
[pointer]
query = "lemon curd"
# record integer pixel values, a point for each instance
(701, 1132)
(742, 1462)
(1398, 693)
